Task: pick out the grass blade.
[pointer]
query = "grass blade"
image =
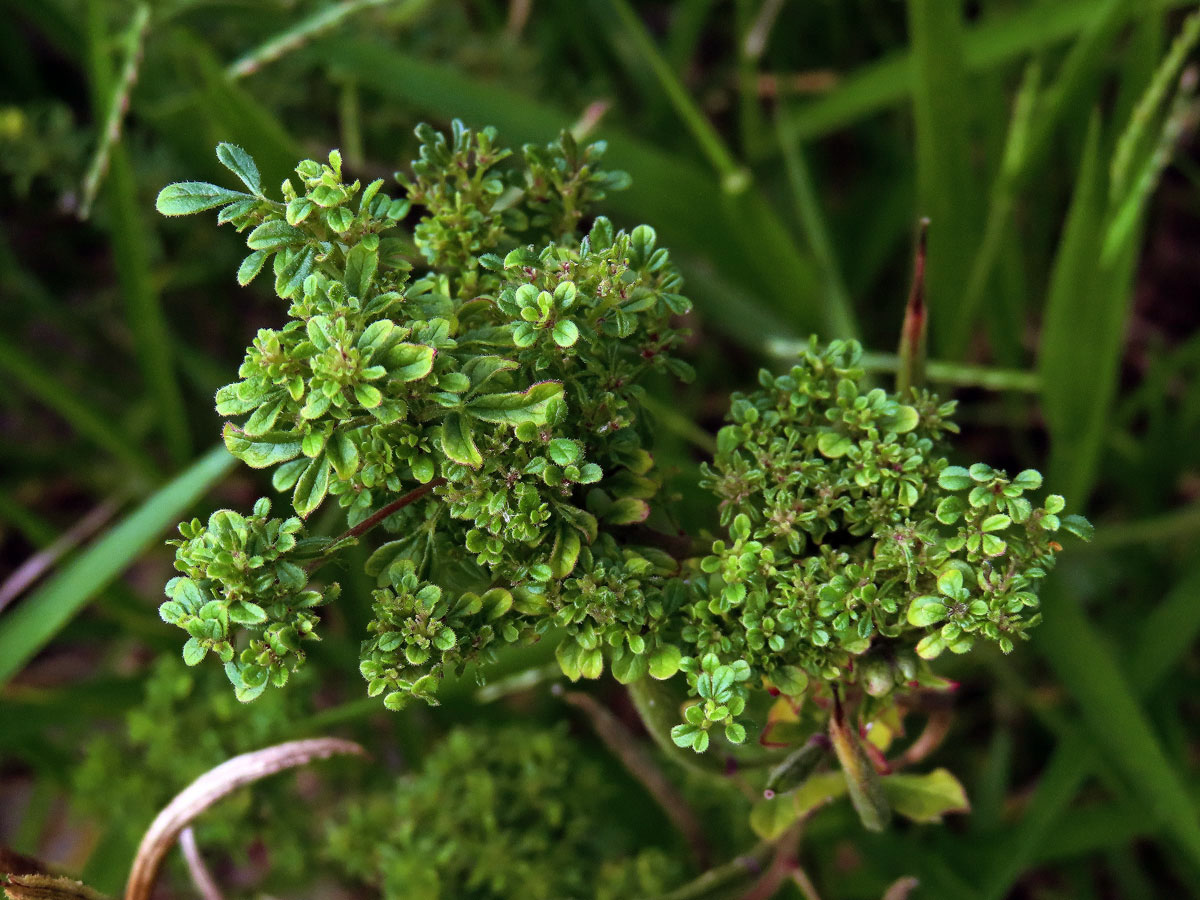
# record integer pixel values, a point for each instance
(1165, 637)
(734, 177)
(1118, 724)
(131, 241)
(946, 183)
(889, 82)
(29, 626)
(302, 32)
(1069, 355)
(839, 309)
(92, 426)
(742, 235)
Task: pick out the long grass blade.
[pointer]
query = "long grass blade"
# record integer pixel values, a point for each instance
(946, 184)
(131, 242)
(889, 82)
(92, 426)
(734, 177)
(30, 625)
(839, 309)
(305, 30)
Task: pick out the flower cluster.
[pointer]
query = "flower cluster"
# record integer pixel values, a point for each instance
(505, 379)
(853, 542)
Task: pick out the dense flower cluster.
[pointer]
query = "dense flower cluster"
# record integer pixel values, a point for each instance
(853, 542)
(506, 378)
(487, 413)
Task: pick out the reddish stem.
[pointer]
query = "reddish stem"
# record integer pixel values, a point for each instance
(378, 516)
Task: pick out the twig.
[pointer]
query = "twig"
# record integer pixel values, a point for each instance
(783, 864)
(733, 872)
(518, 15)
(819, 81)
(591, 117)
(48, 887)
(935, 731)
(118, 106)
(807, 888)
(34, 567)
(296, 36)
(205, 884)
(376, 517)
(755, 43)
(901, 888)
(621, 742)
(211, 787)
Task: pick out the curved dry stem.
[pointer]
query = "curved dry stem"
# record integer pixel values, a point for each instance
(205, 884)
(211, 787)
(935, 731)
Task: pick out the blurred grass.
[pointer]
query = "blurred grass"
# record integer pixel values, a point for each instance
(1039, 138)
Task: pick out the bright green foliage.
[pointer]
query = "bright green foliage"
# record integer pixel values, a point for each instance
(499, 813)
(854, 543)
(239, 572)
(506, 378)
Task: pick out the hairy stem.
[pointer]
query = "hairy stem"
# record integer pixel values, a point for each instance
(374, 519)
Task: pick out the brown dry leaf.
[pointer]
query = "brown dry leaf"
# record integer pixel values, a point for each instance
(48, 887)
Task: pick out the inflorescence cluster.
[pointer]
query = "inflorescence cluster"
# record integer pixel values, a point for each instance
(462, 367)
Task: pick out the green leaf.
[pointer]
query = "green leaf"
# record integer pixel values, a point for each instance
(627, 666)
(1078, 526)
(410, 362)
(516, 407)
(902, 420)
(187, 197)
(565, 333)
(925, 798)
(261, 451)
(275, 234)
(263, 418)
(457, 441)
(925, 611)
(311, 487)
(361, 263)
(955, 478)
(251, 266)
(997, 522)
(565, 552)
(194, 652)
(241, 164)
(564, 451)
(627, 511)
(664, 662)
(343, 454)
(833, 445)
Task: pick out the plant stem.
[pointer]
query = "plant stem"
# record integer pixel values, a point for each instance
(737, 870)
(374, 519)
(632, 754)
(206, 885)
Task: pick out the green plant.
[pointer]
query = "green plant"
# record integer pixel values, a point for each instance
(474, 391)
